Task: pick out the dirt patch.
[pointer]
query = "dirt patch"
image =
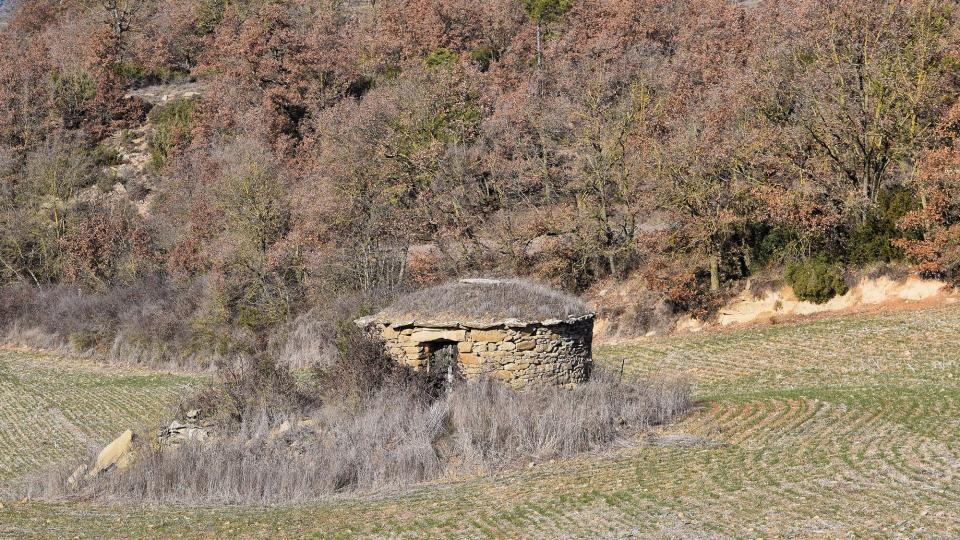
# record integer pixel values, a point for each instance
(680, 440)
(628, 309)
(165, 93)
(778, 304)
(869, 294)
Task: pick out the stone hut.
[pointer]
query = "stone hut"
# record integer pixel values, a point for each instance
(512, 330)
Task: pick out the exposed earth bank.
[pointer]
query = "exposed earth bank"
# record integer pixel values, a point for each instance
(768, 306)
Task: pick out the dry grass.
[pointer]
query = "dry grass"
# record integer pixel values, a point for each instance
(145, 323)
(485, 301)
(392, 438)
(307, 341)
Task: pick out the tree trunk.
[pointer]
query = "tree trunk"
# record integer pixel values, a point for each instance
(714, 273)
(539, 46)
(403, 265)
(747, 258)
(544, 158)
(923, 206)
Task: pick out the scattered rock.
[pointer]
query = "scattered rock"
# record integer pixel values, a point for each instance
(164, 93)
(118, 454)
(177, 433)
(278, 431)
(77, 474)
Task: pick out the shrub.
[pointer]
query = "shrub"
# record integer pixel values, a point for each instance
(105, 156)
(106, 183)
(72, 95)
(440, 57)
(816, 280)
(683, 286)
(83, 341)
(364, 368)
(137, 190)
(305, 342)
(875, 239)
(937, 254)
(775, 245)
(483, 56)
(138, 76)
(171, 124)
(635, 312)
(209, 15)
(59, 170)
(251, 387)
(148, 322)
(109, 245)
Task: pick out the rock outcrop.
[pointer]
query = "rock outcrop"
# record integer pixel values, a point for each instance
(116, 455)
(191, 431)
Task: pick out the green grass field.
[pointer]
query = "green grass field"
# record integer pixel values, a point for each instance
(53, 408)
(842, 427)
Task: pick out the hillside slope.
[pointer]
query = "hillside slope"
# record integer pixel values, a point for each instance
(838, 427)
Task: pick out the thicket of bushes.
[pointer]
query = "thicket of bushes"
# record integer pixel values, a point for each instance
(147, 322)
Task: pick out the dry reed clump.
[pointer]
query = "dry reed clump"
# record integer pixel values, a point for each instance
(485, 301)
(393, 434)
(306, 341)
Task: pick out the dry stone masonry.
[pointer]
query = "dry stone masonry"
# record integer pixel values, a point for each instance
(520, 351)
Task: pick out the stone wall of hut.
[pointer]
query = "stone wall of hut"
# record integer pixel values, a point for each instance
(557, 353)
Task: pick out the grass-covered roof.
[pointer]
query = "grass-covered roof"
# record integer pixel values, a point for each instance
(483, 302)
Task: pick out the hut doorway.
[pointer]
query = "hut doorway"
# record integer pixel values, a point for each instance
(442, 366)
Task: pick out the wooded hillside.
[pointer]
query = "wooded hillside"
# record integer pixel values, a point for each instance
(343, 151)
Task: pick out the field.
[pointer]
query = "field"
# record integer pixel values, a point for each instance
(53, 408)
(834, 428)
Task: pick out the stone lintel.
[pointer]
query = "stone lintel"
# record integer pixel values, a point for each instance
(435, 334)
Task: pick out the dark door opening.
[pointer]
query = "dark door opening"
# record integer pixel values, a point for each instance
(442, 367)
